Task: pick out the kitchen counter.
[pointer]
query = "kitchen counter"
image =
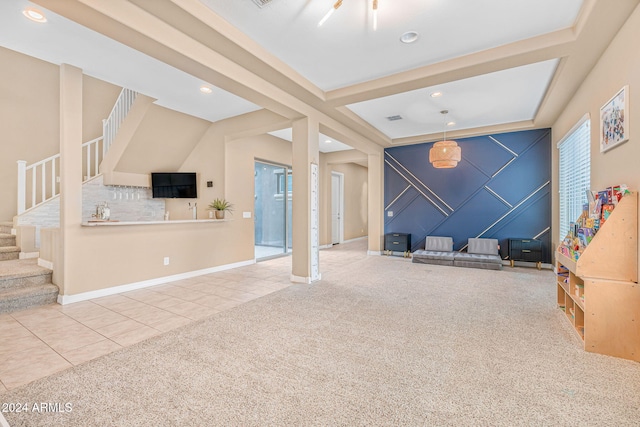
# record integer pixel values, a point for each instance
(116, 223)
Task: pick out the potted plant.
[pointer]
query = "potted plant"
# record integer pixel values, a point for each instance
(220, 206)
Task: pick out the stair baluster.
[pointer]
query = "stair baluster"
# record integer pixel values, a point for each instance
(94, 150)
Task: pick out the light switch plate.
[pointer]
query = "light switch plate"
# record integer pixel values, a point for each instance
(246, 214)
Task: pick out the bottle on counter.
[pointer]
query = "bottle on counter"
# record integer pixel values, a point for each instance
(106, 212)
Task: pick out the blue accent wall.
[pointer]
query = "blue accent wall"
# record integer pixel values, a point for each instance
(500, 189)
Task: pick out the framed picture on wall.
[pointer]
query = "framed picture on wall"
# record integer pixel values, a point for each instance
(614, 120)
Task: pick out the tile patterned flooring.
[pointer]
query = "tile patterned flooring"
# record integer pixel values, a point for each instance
(39, 342)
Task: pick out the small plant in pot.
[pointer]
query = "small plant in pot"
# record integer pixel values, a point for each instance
(219, 206)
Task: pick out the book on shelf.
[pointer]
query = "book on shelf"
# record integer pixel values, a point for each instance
(595, 213)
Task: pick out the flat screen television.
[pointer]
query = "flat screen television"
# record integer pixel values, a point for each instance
(174, 185)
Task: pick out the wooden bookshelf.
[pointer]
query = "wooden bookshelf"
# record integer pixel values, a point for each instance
(598, 292)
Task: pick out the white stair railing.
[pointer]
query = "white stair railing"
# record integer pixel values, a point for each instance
(39, 182)
(111, 125)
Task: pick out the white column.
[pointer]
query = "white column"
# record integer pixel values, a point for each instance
(376, 208)
(306, 181)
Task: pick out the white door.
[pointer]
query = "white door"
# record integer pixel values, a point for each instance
(337, 208)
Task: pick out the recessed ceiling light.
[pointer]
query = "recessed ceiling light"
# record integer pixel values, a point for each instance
(409, 37)
(34, 14)
(436, 94)
(451, 123)
(328, 141)
(205, 89)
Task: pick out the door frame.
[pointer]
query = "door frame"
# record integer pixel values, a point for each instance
(287, 172)
(340, 196)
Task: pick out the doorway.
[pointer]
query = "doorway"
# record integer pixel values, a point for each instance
(337, 208)
(272, 210)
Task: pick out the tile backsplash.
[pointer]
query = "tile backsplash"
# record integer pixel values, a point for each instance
(126, 203)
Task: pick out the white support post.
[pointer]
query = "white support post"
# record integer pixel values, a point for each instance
(43, 182)
(34, 176)
(22, 184)
(96, 147)
(88, 166)
(53, 177)
(104, 137)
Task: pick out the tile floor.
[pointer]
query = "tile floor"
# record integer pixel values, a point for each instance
(38, 342)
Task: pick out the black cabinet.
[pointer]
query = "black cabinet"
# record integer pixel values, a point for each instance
(397, 242)
(527, 250)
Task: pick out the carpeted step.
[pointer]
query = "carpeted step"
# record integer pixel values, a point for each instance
(9, 253)
(7, 239)
(23, 273)
(24, 284)
(16, 299)
(6, 227)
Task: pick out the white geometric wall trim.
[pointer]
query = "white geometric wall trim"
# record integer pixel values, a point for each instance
(510, 211)
(397, 197)
(501, 189)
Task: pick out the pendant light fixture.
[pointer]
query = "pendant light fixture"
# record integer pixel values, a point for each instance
(338, 3)
(335, 7)
(375, 15)
(445, 154)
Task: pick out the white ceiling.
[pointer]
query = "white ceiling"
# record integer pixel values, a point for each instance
(325, 143)
(63, 41)
(506, 96)
(343, 54)
(346, 50)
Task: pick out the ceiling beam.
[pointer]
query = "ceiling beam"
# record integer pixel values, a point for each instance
(151, 30)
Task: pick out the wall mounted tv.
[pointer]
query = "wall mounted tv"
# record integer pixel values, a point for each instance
(174, 185)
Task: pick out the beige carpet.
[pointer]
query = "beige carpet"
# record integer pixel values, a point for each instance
(379, 341)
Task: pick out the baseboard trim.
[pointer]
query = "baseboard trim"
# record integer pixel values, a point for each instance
(305, 280)
(28, 255)
(325, 246)
(70, 299)
(377, 253)
(46, 264)
(355, 239)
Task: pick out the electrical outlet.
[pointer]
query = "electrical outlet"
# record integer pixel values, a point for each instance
(389, 213)
(246, 214)
(166, 260)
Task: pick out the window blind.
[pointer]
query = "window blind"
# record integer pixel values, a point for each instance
(574, 173)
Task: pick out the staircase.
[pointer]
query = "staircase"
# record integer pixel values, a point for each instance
(23, 283)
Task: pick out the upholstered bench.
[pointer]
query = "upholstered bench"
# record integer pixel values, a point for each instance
(481, 253)
(437, 250)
